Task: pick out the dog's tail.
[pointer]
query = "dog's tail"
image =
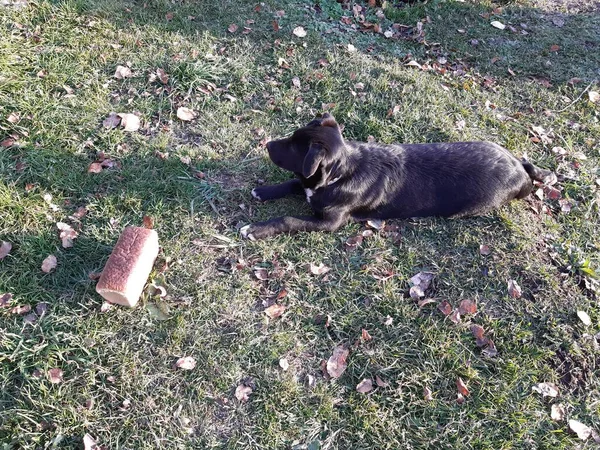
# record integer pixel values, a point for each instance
(535, 173)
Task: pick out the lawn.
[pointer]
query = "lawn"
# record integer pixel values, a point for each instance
(71, 367)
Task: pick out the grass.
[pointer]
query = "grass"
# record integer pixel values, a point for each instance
(241, 87)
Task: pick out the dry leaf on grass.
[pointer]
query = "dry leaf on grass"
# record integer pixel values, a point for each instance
(300, 32)
(557, 412)
(514, 290)
(455, 316)
(5, 299)
(427, 394)
(122, 72)
(21, 309)
(242, 393)
(232, 28)
(484, 250)
(467, 307)
(445, 307)
(498, 25)
(462, 387)
(594, 96)
(380, 382)
(49, 264)
(546, 389)
(95, 167)
(67, 234)
(261, 273)
(365, 335)
(365, 386)
(13, 118)
(336, 364)
(275, 311)
(582, 431)
(284, 364)
(185, 114)
(162, 76)
(584, 317)
(112, 121)
(129, 122)
(478, 333)
(425, 301)
(353, 242)
(320, 269)
(55, 376)
(89, 443)
(5, 249)
(186, 363)
(148, 222)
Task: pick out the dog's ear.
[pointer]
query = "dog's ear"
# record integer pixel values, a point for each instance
(313, 158)
(329, 121)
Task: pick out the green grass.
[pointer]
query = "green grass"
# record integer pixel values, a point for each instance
(241, 87)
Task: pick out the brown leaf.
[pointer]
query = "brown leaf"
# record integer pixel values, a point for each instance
(427, 394)
(122, 72)
(80, 212)
(353, 242)
(67, 234)
(380, 382)
(276, 27)
(261, 273)
(185, 114)
(95, 168)
(112, 121)
(148, 222)
(455, 316)
(5, 248)
(274, 311)
(320, 269)
(21, 309)
(425, 301)
(186, 363)
(8, 142)
(336, 364)
(5, 299)
(467, 307)
(242, 393)
(42, 308)
(582, 431)
(129, 122)
(478, 333)
(485, 250)
(366, 336)
(13, 118)
(546, 389)
(232, 28)
(490, 350)
(49, 264)
(462, 387)
(514, 290)
(365, 386)
(162, 76)
(554, 48)
(55, 376)
(445, 307)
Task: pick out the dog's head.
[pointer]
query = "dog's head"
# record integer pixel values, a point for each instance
(313, 150)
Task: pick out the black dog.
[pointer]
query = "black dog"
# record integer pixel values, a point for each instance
(346, 179)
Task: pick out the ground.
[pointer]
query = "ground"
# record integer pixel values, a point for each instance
(70, 367)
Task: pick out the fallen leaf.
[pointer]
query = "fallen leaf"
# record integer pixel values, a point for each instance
(21, 309)
(365, 386)
(80, 212)
(445, 307)
(558, 21)
(414, 64)
(491, 349)
(467, 307)
(55, 376)
(582, 431)
(112, 121)
(485, 250)
(42, 308)
(13, 118)
(274, 311)
(284, 364)
(584, 317)
(129, 122)
(498, 25)
(320, 269)
(162, 76)
(460, 124)
(376, 224)
(455, 316)
(5, 249)
(416, 292)
(67, 234)
(594, 96)
(261, 273)
(276, 26)
(557, 412)
(123, 72)
(242, 393)
(565, 205)
(336, 364)
(380, 382)
(462, 387)
(514, 290)
(186, 363)
(185, 114)
(95, 168)
(546, 389)
(427, 394)
(388, 321)
(365, 335)
(148, 222)
(351, 48)
(296, 82)
(353, 242)
(460, 399)
(478, 333)
(8, 142)
(89, 443)
(105, 307)
(5, 299)
(49, 264)
(232, 28)
(300, 32)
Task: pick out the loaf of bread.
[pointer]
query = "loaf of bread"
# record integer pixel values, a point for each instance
(128, 266)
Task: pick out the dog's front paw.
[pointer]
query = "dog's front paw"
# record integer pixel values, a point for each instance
(256, 194)
(246, 232)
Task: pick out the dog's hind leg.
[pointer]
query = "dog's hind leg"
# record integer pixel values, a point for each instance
(288, 224)
(273, 192)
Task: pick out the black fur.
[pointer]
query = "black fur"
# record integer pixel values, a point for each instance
(346, 180)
